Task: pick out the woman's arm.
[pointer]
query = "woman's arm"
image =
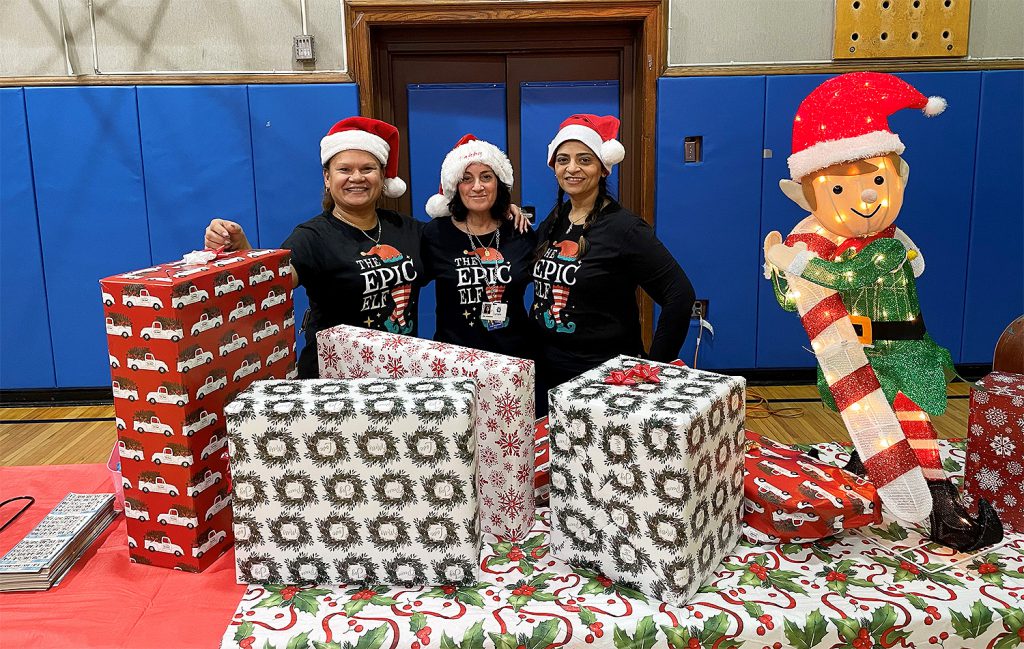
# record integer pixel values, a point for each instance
(661, 276)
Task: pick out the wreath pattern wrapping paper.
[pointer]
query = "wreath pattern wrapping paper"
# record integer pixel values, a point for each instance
(364, 480)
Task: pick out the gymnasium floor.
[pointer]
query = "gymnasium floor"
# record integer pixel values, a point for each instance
(81, 434)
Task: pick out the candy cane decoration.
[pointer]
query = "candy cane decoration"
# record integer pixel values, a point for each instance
(873, 426)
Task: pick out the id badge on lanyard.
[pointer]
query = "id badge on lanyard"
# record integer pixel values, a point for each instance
(493, 314)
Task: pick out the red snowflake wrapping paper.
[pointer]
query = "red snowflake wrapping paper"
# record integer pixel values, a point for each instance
(790, 496)
(505, 409)
(995, 447)
(184, 338)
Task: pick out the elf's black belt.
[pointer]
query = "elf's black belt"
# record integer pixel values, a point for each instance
(894, 329)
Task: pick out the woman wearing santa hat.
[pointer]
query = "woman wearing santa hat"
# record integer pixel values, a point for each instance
(479, 261)
(592, 256)
(360, 265)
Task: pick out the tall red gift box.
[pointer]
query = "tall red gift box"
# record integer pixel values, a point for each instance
(184, 339)
(995, 447)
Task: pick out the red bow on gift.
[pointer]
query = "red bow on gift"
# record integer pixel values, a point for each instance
(633, 376)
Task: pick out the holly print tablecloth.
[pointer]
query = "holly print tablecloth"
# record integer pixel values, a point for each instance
(856, 591)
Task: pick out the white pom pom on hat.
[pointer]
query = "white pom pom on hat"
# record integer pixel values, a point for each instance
(596, 132)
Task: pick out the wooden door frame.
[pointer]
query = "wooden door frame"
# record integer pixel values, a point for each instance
(363, 16)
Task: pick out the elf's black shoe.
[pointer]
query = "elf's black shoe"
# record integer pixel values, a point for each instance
(952, 525)
(855, 466)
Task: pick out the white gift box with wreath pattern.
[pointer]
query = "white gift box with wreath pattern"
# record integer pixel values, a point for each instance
(505, 409)
(355, 481)
(647, 477)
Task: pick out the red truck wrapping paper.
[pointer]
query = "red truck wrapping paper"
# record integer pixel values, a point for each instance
(995, 447)
(505, 409)
(791, 497)
(184, 339)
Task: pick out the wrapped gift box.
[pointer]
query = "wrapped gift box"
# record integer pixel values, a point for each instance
(995, 447)
(792, 497)
(647, 473)
(505, 421)
(355, 481)
(183, 338)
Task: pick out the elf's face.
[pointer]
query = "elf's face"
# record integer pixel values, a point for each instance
(857, 199)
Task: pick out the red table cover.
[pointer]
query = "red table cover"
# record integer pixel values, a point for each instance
(105, 601)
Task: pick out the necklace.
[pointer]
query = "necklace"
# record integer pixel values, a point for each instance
(477, 242)
(375, 241)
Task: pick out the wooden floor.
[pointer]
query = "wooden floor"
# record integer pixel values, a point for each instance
(85, 434)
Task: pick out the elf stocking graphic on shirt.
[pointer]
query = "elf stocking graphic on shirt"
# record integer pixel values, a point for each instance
(387, 271)
(555, 274)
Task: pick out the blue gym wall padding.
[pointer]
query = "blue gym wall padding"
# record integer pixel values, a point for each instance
(197, 159)
(995, 272)
(543, 106)
(440, 114)
(935, 214)
(781, 341)
(707, 213)
(27, 358)
(286, 123)
(87, 165)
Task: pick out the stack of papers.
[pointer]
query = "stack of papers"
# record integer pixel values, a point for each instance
(43, 557)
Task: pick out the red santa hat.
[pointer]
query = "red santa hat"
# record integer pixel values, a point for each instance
(467, 151)
(596, 132)
(377, 138)
(846, 119)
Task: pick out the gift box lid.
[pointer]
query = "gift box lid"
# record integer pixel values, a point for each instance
(202, 263)
(1005, 384)
(628, 384)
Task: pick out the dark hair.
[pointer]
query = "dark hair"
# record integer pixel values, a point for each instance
(563, 206)
(499, 210)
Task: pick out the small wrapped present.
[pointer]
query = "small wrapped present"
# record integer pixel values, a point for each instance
(183, 337)
(792, 497)
(504, 427)
(647, 473)
(995, 447)
(361, 481)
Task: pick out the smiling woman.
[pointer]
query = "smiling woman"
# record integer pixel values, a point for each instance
(360, 264)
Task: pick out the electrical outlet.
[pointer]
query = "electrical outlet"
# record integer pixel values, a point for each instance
(700, 310)
(304, 49)
(692, 148)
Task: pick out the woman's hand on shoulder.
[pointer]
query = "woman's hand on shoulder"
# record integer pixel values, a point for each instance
(518, 217)
(227, 235)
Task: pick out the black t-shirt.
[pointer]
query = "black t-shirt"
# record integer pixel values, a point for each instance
(586, 309)
(351, 279)
(466, 276)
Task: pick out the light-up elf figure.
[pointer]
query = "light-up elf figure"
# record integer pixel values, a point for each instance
(850, 274)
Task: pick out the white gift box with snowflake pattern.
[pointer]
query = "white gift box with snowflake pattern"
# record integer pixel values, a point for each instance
(647, 479)
(505, 409)
(355, 481)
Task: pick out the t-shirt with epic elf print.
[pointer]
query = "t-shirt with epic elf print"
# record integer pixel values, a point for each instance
(466, 276)
(351, 279)
(585, 308)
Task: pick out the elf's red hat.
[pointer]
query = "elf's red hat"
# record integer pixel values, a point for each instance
(467, 151)
(377, 138)
(847, 119)
(598, 133)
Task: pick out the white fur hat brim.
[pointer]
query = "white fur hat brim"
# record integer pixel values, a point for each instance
(610, 152)
(825, 154)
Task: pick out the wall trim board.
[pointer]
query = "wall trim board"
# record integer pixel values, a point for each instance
(177, 79)
(841, 67)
